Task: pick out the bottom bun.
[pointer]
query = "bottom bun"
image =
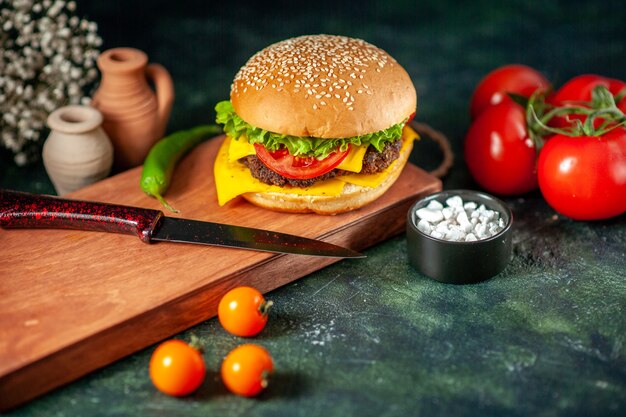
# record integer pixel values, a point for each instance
(352, 197)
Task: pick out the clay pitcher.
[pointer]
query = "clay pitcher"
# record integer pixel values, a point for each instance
(135, 116)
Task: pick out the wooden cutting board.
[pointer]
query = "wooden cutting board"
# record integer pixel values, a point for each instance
(72, 301)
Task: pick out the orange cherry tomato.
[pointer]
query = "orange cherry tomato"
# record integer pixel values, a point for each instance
(176, 368)
(246, 369)
(243, 311)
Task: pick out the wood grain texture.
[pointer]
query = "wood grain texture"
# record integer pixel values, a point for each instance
(73, 301)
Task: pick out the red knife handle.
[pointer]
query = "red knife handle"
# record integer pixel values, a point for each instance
(25, 210)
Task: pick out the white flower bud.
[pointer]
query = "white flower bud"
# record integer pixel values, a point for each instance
(20, 159)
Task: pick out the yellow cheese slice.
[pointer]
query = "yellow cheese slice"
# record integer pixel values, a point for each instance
(240, 148)
(354, 160)
(233, 178)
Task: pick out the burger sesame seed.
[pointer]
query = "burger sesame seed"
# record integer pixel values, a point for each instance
(351, 108)
(329, 59)
(323, 103)
(360, 91)
(315, 107)
(318, 96)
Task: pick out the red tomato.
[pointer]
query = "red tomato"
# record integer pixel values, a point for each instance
(499, 153)
(585, 177)
(289, 166)
(578, 90)
(176, 368)
(242, 311)
(493, 89)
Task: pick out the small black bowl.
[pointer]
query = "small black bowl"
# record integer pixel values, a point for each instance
(459, 262)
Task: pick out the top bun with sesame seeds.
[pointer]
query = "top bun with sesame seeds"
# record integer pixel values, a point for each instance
(315, 124)
(323, 86)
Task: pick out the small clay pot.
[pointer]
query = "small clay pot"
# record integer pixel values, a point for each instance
(135, 116)
(77, 152)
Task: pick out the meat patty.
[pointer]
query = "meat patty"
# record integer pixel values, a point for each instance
(373, 162)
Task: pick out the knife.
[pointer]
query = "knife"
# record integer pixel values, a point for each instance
(25, 210)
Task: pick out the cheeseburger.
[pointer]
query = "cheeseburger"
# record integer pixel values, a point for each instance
(315, 124)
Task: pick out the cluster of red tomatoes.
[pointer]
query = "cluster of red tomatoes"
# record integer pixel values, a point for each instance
(571, 143)
(177, 368)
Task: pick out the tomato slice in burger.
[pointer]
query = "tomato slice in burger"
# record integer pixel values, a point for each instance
(289, 166)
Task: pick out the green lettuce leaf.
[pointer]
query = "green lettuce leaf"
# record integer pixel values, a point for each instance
(319, 148)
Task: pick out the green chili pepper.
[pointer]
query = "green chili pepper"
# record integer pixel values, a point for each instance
(164, 155)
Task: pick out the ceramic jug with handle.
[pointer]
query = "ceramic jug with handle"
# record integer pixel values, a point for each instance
(135, 116)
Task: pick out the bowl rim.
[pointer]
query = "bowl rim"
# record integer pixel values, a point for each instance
(422, 202)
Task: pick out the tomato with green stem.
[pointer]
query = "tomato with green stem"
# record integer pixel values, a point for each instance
(582, 169)
(246, 370)
(578, 91)
(177, 368)
(243, 311)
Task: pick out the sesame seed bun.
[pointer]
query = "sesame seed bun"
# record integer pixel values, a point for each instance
(323, 86)
(352, 197)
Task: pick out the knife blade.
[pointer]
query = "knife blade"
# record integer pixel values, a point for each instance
(26, 210)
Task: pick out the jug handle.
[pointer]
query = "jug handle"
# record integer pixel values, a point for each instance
(164, 87)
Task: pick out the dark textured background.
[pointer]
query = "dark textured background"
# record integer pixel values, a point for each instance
(373, 337)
